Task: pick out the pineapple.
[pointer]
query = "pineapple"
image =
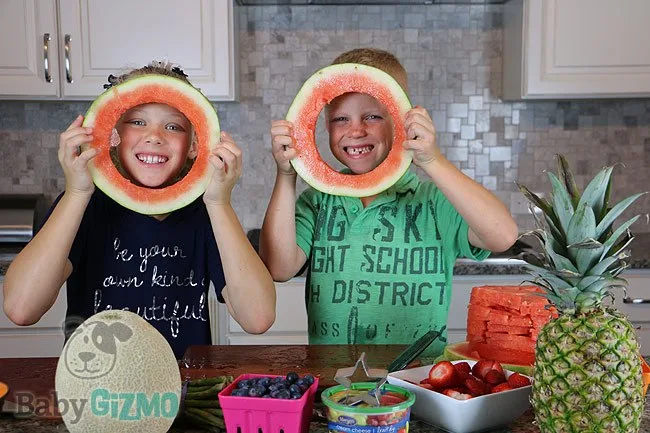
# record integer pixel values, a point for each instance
(587, 374)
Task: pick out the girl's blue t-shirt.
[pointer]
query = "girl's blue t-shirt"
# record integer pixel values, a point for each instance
(160, 270)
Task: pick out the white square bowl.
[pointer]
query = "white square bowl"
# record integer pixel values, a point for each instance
(477, 414)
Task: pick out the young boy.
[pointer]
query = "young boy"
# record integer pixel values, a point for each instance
(380, 267)
(158, 266)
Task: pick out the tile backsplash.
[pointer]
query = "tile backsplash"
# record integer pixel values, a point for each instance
(453, 55)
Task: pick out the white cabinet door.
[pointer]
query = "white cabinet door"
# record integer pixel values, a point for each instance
(42, 339)
(95, 38)
(101, 38)
(576, 49)
(290, 325)
(28, 48)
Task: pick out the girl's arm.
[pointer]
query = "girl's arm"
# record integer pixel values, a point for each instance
(36, 275)
(249, 292)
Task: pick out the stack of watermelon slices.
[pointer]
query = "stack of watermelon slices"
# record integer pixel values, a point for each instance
(503, 322)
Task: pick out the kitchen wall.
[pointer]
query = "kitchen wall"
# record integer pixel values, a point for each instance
(453, 55)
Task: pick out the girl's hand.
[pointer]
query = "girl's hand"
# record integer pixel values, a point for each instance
(282, 141)
(74, 164)
(421, 137)
(226, 159)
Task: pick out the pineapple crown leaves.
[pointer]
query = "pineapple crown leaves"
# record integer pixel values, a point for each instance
(581, 252)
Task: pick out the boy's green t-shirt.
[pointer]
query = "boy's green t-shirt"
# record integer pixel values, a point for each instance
(381, 274)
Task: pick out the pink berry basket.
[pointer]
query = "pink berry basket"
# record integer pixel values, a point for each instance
(266, 415)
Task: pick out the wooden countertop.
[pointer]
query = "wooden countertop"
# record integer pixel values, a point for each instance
(36, 375)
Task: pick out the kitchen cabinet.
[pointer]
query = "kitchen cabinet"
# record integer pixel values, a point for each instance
(576, 49)
(290, 325)
(43, 339)
(65, 49)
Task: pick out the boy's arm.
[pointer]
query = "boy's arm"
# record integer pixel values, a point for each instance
(249, 292)
(36, 275)
(278, 247)
(491, 226)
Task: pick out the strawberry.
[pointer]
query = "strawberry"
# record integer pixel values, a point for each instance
(462, 370)
(443, 375)
(476, 386)
(495, 377)
(517, 380)
(481, 368)
(505, 386)
(456, 395)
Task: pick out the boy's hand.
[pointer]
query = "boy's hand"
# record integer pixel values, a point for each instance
(421, 137)
(226, 158)
(282, 141)
(74, 164)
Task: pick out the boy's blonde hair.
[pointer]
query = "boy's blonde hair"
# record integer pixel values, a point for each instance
(376, 58)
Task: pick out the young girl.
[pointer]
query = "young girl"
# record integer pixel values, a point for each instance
(158, 266)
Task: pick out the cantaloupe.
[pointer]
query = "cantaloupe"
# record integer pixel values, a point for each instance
(107, 109)
(318, 91)
(120, 374)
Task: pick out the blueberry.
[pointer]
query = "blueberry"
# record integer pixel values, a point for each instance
(265, 382)
(309, 379)
(257, 391)
(295, 389)
(303, 384)
(284, 394)
(292, 377)
(295, 396)
(267, 396)
(243, 383)
(240, 392)
(277, 379)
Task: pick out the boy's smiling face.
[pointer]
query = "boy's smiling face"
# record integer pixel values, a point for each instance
(360, 131)
(155, 143)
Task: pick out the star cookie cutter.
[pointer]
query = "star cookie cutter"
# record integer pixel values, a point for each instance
(371, 397)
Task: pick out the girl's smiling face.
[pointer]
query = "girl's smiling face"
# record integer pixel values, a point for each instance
(360, 131)
(155, 143)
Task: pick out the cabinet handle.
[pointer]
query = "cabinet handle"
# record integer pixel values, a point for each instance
(628, 300)
(68, 74)
(46, 58)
